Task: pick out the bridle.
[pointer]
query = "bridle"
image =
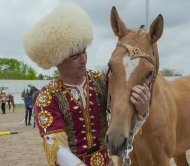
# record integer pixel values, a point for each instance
(134, 53)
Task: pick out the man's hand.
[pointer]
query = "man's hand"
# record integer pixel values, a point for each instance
(140, 97)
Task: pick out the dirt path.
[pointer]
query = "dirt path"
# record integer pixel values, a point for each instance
(24, 148)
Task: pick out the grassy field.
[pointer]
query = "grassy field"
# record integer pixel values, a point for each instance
(19, 105)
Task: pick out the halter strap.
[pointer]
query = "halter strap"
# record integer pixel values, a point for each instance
(135, 52)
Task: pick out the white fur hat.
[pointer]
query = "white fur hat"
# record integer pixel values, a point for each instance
(67, 30)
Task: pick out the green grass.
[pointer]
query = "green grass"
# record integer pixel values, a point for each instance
(19, 105)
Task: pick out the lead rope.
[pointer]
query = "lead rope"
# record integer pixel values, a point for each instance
(129, 146)
(126, 158)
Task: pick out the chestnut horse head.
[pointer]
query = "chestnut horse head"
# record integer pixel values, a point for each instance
(133, 62)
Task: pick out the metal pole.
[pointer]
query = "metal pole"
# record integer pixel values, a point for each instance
(147, 12)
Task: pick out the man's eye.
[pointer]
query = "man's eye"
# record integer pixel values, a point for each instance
(74, 56)
(78, 54)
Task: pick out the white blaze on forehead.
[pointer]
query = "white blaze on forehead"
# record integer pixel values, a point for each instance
(130, 65)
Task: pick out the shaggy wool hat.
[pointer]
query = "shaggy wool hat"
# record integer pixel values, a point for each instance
(66, 31)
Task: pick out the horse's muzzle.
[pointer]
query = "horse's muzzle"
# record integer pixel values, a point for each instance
(116, 145)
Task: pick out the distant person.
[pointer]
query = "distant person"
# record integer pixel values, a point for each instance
(3, 100)
(28, 108)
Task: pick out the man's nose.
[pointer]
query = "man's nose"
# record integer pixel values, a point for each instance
(83, 58)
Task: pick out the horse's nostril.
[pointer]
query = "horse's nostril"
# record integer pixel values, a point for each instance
(125, 142)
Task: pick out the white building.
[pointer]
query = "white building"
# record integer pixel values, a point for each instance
(15, 87)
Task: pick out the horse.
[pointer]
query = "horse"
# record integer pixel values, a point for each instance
(34, 93)
(10, 101)
(166, 132)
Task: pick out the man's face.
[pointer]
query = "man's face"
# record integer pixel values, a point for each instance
(75, 65)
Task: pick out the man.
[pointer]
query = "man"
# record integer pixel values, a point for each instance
(71, 110)
(3, 100)
(28, 108)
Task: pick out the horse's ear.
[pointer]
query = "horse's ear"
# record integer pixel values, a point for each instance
(117, 24)
(156, 28)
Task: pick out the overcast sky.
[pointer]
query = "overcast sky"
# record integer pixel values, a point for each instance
(17, 16)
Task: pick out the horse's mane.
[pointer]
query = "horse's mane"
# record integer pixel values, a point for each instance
(142, 27)
(34, 88)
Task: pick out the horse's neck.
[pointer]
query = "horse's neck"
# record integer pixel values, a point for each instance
(160, 80)
(35, 89)
(160, 84)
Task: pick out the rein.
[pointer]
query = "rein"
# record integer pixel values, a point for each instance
(134, 53)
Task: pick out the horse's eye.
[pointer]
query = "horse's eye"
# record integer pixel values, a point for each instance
(149, 74)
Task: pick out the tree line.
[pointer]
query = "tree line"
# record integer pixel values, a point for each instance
(18, 70)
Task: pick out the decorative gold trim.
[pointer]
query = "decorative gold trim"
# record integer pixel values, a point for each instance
(45, 119)
(62, 138)
(87, 118)
(97, 159)
(72, 97)
(95, 74)
(44, 98)
(99, 88)
(85, 112)
(51, 148)
(51, 151)
(52, 132)
(54, 86)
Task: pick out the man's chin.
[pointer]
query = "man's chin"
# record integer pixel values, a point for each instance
(84, 71)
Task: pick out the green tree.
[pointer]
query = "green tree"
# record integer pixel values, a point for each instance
(167, 72)
(31, 74)
(40, 76)
(55, 73)
(14, 69)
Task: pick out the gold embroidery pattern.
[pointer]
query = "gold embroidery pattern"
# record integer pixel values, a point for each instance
(66, 115)
(72, 97)
(95, 74)
(53, 132)
(100, 89)
(54, 86)
(51, 150)
(45, 119)
(97, 159)
(44, 99)
(85, 114)
(87, 119)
